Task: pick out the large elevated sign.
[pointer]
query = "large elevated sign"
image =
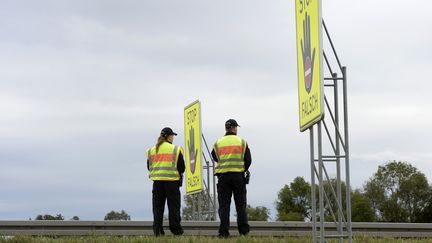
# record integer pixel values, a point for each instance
(309, 62)
(192, 128)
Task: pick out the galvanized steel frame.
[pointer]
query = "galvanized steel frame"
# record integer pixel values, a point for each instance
(343, 222)
(197, 212)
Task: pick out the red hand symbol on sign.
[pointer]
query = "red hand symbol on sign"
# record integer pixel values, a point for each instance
(192, 151)
(308, 57)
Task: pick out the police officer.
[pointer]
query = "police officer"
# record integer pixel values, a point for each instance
(233, 157)
(166, 167)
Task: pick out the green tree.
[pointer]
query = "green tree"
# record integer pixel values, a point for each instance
(257, 213)
(49, 217)
(113, 215)
(301, 192)
(426, 215)
(361, 208)
(331, 205)
(398, 192)
(293, 201)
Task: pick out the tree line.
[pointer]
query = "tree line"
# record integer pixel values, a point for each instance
(396, 192)
(112, 215)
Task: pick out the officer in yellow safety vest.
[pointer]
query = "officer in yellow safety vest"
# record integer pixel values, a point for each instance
(233, 157)
(166, 167)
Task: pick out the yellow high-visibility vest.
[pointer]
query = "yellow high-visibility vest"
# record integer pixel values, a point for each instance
(230, 151)
(163, 164)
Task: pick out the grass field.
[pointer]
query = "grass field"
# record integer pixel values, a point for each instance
(189, 239)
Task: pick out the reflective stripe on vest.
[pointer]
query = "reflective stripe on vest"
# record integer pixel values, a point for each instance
(230, 151)
(163, 164)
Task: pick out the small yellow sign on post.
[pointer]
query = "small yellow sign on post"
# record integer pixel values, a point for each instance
(309, 62)
(192, 128)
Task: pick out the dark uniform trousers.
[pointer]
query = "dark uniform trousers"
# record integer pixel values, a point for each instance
(228, 184)
(166, 190)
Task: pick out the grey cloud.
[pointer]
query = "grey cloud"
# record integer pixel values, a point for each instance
(85, 87)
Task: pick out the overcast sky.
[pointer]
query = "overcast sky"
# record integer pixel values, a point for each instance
(86, 86)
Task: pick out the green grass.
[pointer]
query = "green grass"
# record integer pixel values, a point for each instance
(190, 239)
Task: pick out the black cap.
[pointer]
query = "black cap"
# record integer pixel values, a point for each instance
(231, 123)
(167, 131)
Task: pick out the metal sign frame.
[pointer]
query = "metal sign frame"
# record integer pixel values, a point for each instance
(318, 167)
(205, 205)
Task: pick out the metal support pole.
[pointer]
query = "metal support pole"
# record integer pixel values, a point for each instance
(211, 202)
(215, 207)
(199, 206)
(332, 46)
(193, 206)
(347, 167)
(338, 171)
(214, 195)
(208, 197)
(313, 199)
(321, 184)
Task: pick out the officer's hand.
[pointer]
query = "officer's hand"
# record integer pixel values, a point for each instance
(308, 57)
(247, 177)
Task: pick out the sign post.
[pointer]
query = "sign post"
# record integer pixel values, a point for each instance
(313, 103)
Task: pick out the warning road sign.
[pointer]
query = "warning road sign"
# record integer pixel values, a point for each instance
(309, 62)
(192, 128)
